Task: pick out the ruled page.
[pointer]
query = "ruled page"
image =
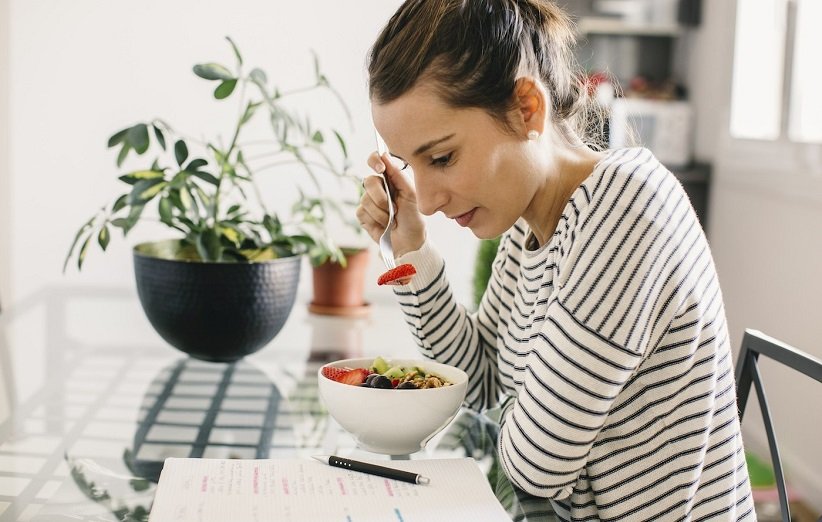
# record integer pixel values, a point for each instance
(217, 490)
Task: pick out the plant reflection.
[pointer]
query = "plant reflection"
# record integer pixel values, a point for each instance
(127, 498)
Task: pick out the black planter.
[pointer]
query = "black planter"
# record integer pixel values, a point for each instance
(215, 311)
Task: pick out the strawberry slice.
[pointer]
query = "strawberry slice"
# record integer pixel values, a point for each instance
(353, 376)
(401, 275)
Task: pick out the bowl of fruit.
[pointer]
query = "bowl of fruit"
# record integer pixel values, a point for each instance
(392, 406)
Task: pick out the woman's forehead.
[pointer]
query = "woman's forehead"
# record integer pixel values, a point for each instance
(413, 116)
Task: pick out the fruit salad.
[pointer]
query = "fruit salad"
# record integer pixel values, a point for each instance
(380, 374)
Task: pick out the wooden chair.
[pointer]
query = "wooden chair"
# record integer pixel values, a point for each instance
(754, 344)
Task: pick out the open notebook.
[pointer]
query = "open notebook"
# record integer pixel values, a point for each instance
(220, 490)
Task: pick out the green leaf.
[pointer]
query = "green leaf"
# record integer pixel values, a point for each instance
(249, 112)
(273, 225)
(236, 51)
(180, 152)
(317, 73)
(173, 196)
(205, 176)
(80, 232)
(225, 89)
(317, 137)
(180, 179)
(342, 144)
(117, 138)
(134, 177)
(144, 190)
(133, 217)
(303, 239)
(120, 223)
(258, 76)
(161, 139)
(103, 237)
(205, 199)
(121, 202)
(186, 199)
(83, 250)
(139, 485)
(137, 137)
(164, 208)
(196, 164)
(208, 245)
(232, 235)
(123, 153)
(212, 71)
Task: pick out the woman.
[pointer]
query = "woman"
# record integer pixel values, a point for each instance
(602, 332)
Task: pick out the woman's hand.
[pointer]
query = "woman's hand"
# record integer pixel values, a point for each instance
(408, 233)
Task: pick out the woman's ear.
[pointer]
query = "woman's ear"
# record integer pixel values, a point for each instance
(531, 100)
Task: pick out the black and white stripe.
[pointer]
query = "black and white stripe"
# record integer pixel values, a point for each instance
(612, 340)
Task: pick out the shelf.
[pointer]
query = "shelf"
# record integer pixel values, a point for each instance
(697, 172)
(612, 26)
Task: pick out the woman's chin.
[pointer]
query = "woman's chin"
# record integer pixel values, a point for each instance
(481, 232)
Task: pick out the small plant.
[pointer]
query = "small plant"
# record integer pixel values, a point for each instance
(486, 252)
(206, 191)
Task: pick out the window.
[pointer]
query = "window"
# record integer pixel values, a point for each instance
(776, 42)
(805, 120)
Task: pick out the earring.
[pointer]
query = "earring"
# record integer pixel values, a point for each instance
(533, 135)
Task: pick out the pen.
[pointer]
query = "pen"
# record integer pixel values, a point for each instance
(372, 469)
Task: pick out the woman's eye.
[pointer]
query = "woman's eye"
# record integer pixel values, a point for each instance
(442, 161)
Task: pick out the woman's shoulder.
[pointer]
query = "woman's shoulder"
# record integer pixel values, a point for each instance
(626, 174)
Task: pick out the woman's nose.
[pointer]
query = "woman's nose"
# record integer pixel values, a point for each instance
(430, 196)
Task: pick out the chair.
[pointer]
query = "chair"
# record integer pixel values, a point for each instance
(754, 344)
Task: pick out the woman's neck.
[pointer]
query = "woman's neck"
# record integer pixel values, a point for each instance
(570, 168)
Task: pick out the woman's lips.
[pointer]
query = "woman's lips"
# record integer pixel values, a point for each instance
(463, 219)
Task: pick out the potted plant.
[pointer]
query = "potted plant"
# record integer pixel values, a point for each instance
(225, 285)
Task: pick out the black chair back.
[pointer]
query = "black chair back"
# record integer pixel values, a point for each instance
(754, 344)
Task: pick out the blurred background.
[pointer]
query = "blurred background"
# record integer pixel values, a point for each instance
(725, 92)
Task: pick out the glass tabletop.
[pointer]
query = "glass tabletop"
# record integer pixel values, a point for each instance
(92, 401)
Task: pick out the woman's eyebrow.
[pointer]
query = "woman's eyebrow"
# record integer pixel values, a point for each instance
(425, 146)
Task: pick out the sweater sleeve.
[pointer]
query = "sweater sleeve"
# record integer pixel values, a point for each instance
(446, 332)
(573, 376)
(621, 278)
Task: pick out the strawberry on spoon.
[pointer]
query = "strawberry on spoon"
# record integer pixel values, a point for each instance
(399, 275)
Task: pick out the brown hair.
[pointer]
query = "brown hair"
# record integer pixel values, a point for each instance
(474, 50)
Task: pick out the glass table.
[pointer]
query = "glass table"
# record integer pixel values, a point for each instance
(92, 401)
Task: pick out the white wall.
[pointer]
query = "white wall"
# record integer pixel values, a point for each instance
(765, 222)
(5, 215)
(82, 70)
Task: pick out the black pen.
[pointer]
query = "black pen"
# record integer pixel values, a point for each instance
(372, 469)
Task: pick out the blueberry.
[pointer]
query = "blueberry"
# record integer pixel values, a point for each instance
(381, 381)
(407, 385)
(370, 378)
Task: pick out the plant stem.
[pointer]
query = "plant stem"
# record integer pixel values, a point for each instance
(298, 90)
(296, 162)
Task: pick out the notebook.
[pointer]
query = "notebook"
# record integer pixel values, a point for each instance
(302, 490)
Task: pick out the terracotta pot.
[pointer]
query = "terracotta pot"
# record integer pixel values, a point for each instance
(339, 290)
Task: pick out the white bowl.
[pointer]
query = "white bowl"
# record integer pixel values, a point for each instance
(390, 421)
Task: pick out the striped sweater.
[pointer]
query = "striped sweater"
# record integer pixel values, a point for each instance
(608, 350)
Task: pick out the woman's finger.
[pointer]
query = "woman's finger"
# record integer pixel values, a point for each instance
(375, 161)
(372, 227)
(375, 189)
(376, 213)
